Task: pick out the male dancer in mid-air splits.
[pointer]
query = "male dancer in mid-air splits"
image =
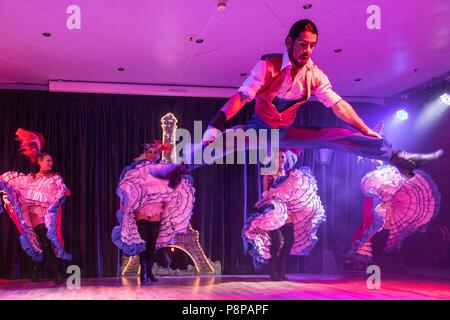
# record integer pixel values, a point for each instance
(280, 84)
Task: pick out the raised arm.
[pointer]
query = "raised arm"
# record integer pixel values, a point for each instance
(344, 111)
(341, 108)
(245, 94)
(229, 110)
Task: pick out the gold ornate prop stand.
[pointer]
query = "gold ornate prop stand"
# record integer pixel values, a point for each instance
(189, 242)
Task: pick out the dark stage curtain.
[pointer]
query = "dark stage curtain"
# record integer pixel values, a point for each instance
(92, 137)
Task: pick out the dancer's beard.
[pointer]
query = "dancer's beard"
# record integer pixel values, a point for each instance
(294, 61)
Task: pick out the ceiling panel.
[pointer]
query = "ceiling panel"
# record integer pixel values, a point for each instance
(149, 39)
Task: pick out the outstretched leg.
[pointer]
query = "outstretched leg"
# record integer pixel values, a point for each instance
(354, 142)
(143, 226)
(336, 138)
(195, 154)
(275, 238)
(153, 231)
(379, 241)
(49, 254)
(288, 238)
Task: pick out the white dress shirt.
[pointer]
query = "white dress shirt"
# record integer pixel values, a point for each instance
(293, 89)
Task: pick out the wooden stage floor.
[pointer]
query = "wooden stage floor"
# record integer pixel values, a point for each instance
(251, 287)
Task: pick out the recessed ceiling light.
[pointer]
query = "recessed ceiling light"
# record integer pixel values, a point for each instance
(243, 74)
(46, 34)
(221, 5)
(121, 69)
(338, 50)
(358, 79)
(307, 6)
(199, 40)
(191, 37)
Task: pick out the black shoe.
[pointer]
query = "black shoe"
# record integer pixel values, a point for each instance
(406, 162)
(420, 158)
(151, 276)
(284, 278)
(275, 277)
(59, 277)
(144, 275)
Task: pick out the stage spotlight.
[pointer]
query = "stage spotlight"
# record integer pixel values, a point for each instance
(432, 113)
(445, 99)
(402, 114)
